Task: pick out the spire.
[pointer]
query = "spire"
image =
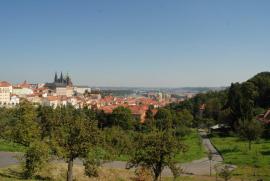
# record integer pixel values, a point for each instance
(61, 78)
(55, 77)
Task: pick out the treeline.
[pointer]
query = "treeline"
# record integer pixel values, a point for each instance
(67, 133)
(237, 107)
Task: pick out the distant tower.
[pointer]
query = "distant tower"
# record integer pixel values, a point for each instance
(55, 77)
(68, 81)
(61, 78)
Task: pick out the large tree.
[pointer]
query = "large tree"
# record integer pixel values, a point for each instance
(74, 136)
(250, 130)
(156, 150)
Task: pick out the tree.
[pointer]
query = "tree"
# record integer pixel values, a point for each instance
(46, 120)
(250, 130)
(234, 102)
(249, 95)
(95, 157)
(156, 150)
(241, 100)
(185, 117)
(262, 82)
(213, 108)
(149, 122)
(25, 125)
(36, 156)
(74, 136)
(163, 119)
(122, 117)
(6, 118)
(158, 147)
(225, 172)
(118, 141)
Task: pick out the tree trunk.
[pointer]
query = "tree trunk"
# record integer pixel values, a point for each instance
(249, 145)
(156, 177)
(70, 170)
(157, 173)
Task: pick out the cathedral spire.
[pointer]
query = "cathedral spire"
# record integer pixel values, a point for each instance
(55, 77)
(61, 77)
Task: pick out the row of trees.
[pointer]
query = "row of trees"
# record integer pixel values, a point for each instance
(68, 133)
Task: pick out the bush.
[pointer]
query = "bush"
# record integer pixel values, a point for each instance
(36, 157)
(94, 160)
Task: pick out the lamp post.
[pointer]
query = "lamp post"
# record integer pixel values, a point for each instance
(210, 157)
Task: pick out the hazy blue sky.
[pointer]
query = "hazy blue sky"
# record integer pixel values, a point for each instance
(135, 42)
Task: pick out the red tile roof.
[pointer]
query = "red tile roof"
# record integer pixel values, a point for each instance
(24, 85)
(4, 84)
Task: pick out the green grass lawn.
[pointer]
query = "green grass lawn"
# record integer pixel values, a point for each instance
(235, 151)
(195, 150)
(10, 147)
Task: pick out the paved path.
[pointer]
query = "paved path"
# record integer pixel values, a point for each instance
(197, 167)
(8, 158)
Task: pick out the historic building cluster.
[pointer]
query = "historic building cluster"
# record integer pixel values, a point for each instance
(61, 91)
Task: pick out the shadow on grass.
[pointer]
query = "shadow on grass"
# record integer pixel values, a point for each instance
(18, 175)
(12, 173)
(265, 153)
(229, 150)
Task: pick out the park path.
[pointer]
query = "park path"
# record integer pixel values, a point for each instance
(197, 167)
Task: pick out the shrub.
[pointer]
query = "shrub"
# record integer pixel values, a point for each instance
(36, 157)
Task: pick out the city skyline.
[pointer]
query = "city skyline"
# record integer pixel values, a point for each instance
(135, 43)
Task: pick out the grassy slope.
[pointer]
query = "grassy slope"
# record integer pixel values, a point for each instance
(195, 149)
(235, 151)
(10, 147)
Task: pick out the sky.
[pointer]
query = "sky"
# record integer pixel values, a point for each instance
(151, 43)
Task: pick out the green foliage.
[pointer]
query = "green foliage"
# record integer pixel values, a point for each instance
(74, 135)
(25, 127)
(118, 141)
(155, 150)
(262, 82)
(250, 130)
(46, 120)
(6, 118)
(163, 119)
(36, 156)
(239, 101)
(122, 117)
(93, 161)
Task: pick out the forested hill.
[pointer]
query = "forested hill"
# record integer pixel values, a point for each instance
(240, 101)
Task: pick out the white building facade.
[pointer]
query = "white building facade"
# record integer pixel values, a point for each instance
(5, 93)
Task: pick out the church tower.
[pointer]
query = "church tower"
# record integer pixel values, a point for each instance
(55, 77)
(61, 78)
